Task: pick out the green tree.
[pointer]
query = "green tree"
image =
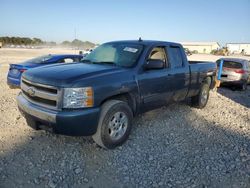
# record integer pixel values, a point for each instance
(66, 43)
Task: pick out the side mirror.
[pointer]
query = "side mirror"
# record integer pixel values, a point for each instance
(154, 64)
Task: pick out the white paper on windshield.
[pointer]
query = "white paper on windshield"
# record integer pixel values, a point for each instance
(129, 49)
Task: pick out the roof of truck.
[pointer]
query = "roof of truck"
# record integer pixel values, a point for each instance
(144, 42)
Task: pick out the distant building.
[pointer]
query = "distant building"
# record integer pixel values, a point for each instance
(237, 48)
(201, 47)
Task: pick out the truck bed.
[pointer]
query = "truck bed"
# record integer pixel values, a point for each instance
(196, 62)
(199, 70)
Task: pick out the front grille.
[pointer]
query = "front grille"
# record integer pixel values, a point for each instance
(51, 90)
(41, 100)
(42, 95)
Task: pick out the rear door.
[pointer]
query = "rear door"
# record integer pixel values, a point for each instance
(156, 85)
(181, 72)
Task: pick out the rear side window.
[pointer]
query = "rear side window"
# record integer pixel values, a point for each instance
(232, 64)
(175, 56)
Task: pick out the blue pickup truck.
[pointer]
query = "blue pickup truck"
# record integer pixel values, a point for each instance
(117, 81)
(16, 70)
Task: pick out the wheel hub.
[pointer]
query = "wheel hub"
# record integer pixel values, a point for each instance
(118, 125)
(204, 96)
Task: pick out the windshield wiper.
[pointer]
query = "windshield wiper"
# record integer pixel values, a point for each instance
(104, 62)
(86, 61)
(98, 62)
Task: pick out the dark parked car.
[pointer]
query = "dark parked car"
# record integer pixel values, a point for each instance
(16, 70)
(117, 81)
(235, 72)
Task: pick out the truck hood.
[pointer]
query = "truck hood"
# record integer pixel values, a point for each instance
(62, 75)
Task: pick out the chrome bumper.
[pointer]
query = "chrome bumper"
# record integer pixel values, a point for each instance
(36, 111)
(73, 123)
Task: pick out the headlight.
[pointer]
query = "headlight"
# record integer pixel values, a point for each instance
(78, 97)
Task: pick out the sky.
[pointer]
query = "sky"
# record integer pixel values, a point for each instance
(100, 21)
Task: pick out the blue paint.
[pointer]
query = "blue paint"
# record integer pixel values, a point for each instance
(145, 89)
(220, 69)
(14, 79)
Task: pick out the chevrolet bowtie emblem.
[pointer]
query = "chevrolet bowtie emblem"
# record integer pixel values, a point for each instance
(31, 91)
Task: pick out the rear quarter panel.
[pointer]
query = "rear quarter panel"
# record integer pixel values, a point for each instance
(199, 71)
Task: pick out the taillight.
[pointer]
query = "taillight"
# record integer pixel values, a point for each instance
(240, 71)
(22, 70)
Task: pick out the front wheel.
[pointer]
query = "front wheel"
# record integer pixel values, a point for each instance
(114, 124)
(200, 100)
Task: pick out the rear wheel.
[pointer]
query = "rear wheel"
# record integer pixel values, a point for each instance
(200, 100)
(114, 124)
(243, 87)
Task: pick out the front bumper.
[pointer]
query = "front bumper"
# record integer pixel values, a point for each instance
(82, 122)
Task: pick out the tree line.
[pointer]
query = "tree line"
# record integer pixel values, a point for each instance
(78, 43)
(37, 42)
(21, 41)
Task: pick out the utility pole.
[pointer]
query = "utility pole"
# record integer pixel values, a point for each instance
(75, 38)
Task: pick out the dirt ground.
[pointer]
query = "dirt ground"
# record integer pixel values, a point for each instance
(175, 146)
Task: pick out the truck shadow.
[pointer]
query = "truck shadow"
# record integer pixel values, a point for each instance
(241, 97)
(173, 146)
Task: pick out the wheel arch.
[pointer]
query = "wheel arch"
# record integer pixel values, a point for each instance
(209, 80)
(125, 97)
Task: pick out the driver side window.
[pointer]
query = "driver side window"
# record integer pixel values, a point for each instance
(158, 53)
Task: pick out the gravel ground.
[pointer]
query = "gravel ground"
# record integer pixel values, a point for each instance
(175, 146)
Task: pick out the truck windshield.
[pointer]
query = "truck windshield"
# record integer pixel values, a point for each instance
(120, 54)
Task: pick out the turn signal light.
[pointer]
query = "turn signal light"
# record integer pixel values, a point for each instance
(22, 70)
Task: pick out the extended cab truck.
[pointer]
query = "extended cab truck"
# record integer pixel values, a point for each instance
(117, 81)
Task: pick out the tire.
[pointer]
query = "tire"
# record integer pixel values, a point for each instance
(114, 125)
(243, 86)
(200, 100)
(31, 123)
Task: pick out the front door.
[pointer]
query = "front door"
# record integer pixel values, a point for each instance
(181, 76)
(156, 84)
